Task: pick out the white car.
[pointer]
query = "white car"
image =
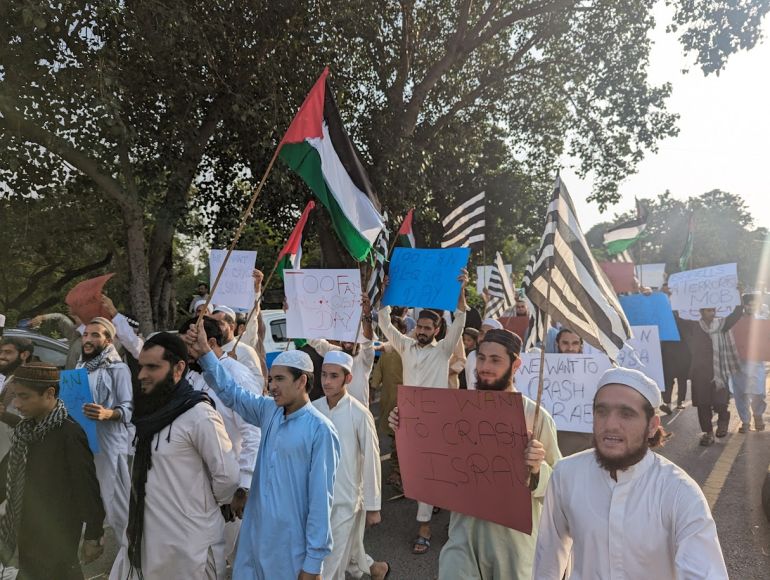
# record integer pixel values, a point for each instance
(276, 340)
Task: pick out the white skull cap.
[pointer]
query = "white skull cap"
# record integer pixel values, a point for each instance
(295, 359)
(492, 323)
(225, 309)
(635, 379)
(337, 357)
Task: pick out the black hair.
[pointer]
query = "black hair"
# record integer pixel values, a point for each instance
(431, 315)
(39, 389)
(174, 348)
(564, 331)
(297, 373)
(660, 436)
(510, 341)
(210, 325)
(19, 343)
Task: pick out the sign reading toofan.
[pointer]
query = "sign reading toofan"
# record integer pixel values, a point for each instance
(323, 304)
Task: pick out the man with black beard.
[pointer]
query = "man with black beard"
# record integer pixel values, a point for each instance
(621, 510)
(478, 548)
(184, 469)
(14, 352)
(109, 379)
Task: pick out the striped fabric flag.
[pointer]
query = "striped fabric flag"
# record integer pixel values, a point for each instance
(685, 259)
(374, 284)
(464, 226)
(582, 298)
(405, 237)
(318, 149)
(501, 297)
(290, 256)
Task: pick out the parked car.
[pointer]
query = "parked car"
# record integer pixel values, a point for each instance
(49, 350)
(276, 340)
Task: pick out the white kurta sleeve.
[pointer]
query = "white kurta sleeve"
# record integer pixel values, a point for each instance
(322, 346)
(698, 554)
(400, 342)
(123, 391)
(554, 542)
(547, 436)
(210, 439)
(369, 445)
(453, 334)
(131, 341)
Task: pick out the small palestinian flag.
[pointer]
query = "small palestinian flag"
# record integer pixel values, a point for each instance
(291, 255)
(405, 238)
(318, 149)
(621, 237)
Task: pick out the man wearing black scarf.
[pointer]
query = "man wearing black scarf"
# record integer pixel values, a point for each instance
(183, 470)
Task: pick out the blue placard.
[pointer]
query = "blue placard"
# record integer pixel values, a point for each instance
(75, 392)
(425, 278)
(653, 309)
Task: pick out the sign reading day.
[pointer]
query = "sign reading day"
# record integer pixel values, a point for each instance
(425, 278)
(712, 287)
(323, 304)
(464, 451)
(236, 286)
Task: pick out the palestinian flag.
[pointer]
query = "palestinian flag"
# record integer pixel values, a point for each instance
(291, 255)
(405, 237)
(685, 259)
(318, 149)
(618, 239)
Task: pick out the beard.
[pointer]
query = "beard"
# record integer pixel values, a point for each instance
(622, 463)
(147, 403)
(424, 339)
(8, 368)
(500, 384)
(96, 352)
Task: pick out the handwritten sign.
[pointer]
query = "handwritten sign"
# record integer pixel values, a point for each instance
(236, 286)
(642, 353)
(74, 393)
(483, 273)
(569, 386)
(464, 451)
(425, 278)
(654, 309)
(85, 299)
(620, 274)
(323, 304)
(713, 287)
(652, 275)
(752, 338)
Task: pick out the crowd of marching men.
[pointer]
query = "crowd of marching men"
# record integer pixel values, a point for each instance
(207, 459)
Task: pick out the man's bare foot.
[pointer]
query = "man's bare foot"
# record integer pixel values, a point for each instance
(379, 570)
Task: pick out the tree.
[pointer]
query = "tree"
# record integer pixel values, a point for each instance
(168, 106)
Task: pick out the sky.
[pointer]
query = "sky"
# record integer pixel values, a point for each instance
(724, 132)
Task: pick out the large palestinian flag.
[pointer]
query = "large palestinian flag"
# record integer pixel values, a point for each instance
(290, 257)
(318, 149)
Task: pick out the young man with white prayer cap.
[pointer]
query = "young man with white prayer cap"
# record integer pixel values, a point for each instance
(620, 509)
(244, 353)
(357, 493)
(286, 530)
(470, 364)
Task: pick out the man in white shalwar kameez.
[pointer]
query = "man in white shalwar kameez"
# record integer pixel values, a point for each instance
(183, 470)
(482, 550)
(357, 492)
(621, 510)
(243, 353)
(109, 379)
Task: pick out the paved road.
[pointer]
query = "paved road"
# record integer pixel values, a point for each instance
(731, 473)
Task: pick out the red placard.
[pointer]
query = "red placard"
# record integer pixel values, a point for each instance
(621, 275)
(85, 299)
(516, 324)
(464, 451)
(752, 337)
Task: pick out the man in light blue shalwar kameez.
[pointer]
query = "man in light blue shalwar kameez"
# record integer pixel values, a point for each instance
(286, 532)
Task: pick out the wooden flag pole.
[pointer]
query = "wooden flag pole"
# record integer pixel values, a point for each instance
(239, 231)
(541, 376)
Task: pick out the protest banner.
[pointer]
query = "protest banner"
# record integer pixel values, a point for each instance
(236, 286)
(642, 352)
(464, 451)
(516, 324)
(74, 393)
(425, 278)
(652, 275)
(85, 298)
(712, 287)
(620, 274)
(654, 309)
(323, 304)
(752, 338)
(569, 386)
(484, 272)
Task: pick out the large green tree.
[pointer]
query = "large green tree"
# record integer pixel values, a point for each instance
(167, 106)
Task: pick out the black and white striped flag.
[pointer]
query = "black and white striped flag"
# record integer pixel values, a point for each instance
(582, 298)
(500, 291)
(464, 226)
(380, 251)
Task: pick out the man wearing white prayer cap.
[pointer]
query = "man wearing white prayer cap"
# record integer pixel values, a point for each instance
(357, 493)
(621, 510)
(286, 530)
(198, 306)
(470, 364)
(243, 353)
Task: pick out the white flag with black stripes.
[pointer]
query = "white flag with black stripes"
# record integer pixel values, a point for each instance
(465, 225)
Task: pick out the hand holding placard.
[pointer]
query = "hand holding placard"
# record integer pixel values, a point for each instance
(75, 393)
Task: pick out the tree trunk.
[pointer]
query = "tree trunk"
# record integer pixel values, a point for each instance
(162, 294)
(139, 286)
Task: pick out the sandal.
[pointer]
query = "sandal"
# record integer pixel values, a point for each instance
(421, 545)
(721, 431)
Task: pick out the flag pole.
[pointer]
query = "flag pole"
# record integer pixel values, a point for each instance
(257, 301)
(239, 231)
(364, 276)
(541, 375)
